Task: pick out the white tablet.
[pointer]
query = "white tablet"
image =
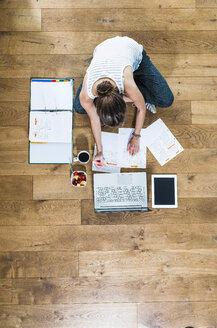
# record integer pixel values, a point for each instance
(164, 191)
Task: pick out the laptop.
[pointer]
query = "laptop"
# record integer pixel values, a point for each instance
(120, 192)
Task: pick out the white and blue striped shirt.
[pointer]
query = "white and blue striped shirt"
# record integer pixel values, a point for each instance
(109, 60)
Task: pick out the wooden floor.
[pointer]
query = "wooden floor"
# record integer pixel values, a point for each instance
(62, 265)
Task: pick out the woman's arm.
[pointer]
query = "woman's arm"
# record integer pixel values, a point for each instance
(132, 92)
(88, 105)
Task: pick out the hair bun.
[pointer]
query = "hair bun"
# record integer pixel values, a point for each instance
(104, 88)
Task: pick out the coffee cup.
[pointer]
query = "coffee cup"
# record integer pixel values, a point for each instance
(83, 157)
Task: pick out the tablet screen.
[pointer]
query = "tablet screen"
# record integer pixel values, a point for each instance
(164, 191)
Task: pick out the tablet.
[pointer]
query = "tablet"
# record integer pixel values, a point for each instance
(164, 191)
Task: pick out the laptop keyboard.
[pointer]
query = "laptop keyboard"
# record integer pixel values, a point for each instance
(120, 194)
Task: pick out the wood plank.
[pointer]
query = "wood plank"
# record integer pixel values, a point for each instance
(20, 20)
(60, 187)
(38, 264)
(195, 136)
(15, 187)
(190, 161)
(195, 88)
(197, 185)
(16, 89)
(75, 315)
(151, 4)
(108, 289)
(14, 113)
(204, 112)
(14, 138)
(147, 262)
(108, 238)
(59, 66)
(23, 66)
(185, 64)
(190, 210)
(98, 4)
(177, 314)
(53, 4)
(97, 19)
(17, 43)
(40, 213)
(206, 3)
(176, 42)
(164, 42)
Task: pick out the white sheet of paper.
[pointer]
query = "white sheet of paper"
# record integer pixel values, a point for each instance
(125, 159)
(107, 168)
(50, 127)
(51, 95)
(161, 142)
(116, 155)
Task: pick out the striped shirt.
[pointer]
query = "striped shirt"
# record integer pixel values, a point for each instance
(109, 60)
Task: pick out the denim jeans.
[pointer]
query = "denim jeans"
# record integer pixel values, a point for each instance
(149, 81)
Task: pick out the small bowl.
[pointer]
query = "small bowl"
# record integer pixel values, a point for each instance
(76, 175)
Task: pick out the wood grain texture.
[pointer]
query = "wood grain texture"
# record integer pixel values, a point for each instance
(176, 42)
(66, 316)
(98, 4)
(197, 185)
(60, 187)
(38, 264)
(117, 20)
(206, 3)
(14, 113)
(190, 210)
(108, 289)
(40, 213)
(164, 42)
(177, 314)
(204, 112)
(108, 238)
(20, 20)
(147, 262)
(15, 188)
(62, 264)
(23, 66)
(194, 88)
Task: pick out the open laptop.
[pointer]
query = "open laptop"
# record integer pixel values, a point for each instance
(120, 192)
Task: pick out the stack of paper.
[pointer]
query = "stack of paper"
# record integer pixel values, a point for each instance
(157, 137)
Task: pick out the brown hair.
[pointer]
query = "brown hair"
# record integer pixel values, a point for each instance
(110, 105)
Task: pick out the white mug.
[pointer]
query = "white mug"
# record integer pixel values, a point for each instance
(83, 157)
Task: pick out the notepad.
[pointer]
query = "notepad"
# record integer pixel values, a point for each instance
(50, 121)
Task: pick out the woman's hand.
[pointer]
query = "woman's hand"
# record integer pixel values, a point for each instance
(133, 145)
(98, 159)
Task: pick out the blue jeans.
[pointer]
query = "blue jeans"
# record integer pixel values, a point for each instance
(149, 81)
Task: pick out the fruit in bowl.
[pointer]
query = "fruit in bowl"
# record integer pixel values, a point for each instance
(79, 179)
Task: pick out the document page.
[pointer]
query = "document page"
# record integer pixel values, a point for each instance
(116, 155)
(127, 160)
(161, 142)
(50, 127)
(51, 95)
